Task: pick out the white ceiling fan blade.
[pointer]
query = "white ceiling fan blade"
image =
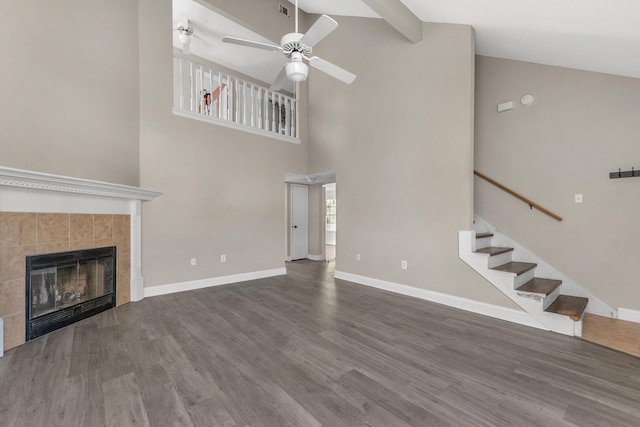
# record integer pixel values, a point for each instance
(249, 43)
(319, 30)
(332, 69)
(281, 80)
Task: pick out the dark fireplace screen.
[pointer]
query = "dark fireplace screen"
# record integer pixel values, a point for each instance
(65, 287)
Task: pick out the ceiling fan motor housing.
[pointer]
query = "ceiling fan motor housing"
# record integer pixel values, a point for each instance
(291, 43)
(185, 29)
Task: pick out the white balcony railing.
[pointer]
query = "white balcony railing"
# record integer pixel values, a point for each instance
(202, 92)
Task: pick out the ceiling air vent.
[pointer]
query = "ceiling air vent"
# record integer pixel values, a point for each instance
(285, 11)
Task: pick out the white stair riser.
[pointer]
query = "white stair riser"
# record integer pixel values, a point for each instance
(551, 298)
(483, 242)
(523, 278)
(544, 300)
(496, 260)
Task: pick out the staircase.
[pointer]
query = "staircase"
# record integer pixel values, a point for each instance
(555, 302)
(547, 290)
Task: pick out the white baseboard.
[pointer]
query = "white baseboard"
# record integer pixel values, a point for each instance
(316, 257)
(214, 281)
(503, 313)
(629, 315)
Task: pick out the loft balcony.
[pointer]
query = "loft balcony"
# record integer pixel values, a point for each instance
(204, 93)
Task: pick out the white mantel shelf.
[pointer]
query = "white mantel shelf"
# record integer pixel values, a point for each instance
(43, 181)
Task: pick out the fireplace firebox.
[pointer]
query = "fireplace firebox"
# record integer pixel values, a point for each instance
(66, 287)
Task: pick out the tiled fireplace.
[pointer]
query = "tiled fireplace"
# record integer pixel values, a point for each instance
(44, 214)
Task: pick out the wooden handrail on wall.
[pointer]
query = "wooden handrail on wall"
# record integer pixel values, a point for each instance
(518, 196)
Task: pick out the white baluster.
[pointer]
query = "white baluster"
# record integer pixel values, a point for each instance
(220, 95)
(236, 114)
(287, 131)
(279, 119)
(266, 109)
(252, 105)
(181, 84)
(294, 119)
(230, 89)
(244, 102)
(238, 102)
(259, 109)
(273, 111)
(191, 106)
(210, 94)
(201, 91)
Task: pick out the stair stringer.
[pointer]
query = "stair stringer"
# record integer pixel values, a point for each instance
(544, 269)
(505, 283)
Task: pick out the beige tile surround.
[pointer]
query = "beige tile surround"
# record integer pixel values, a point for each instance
(26, 233)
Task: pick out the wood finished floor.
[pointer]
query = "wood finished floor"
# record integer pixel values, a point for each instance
(613, 333)
(305, 350)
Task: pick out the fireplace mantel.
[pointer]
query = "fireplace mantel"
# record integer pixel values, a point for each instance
(29, 191)
(43, 181)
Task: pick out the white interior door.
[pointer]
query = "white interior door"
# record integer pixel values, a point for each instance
(299, 222)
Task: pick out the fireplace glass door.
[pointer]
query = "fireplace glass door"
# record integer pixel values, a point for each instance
(69, 286)
(56, 288)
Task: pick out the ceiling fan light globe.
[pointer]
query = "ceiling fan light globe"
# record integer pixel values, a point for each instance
(185, 38)
(297, 71)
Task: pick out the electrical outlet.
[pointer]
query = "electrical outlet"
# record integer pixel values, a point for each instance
(193, 262)
(403, 265)
(357, 257)
(223, 258)
(578, 198)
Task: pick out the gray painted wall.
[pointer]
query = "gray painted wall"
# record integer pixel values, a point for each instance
(69, 101)
(581, 126)
(401, 141)
(223, 188)
(262, 16)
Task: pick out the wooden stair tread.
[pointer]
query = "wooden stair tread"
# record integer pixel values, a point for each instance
(516, 267)
(569, 306)
(540, 286)
(493, 250)
(483, 235)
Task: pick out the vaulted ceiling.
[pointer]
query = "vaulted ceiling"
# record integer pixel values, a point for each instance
(594, 35)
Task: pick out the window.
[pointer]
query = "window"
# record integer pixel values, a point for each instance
(331, 215)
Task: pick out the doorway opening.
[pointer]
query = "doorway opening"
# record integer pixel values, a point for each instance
(330, 229)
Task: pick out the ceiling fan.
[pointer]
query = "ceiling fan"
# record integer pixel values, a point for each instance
(186, 31)
(297, 47)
